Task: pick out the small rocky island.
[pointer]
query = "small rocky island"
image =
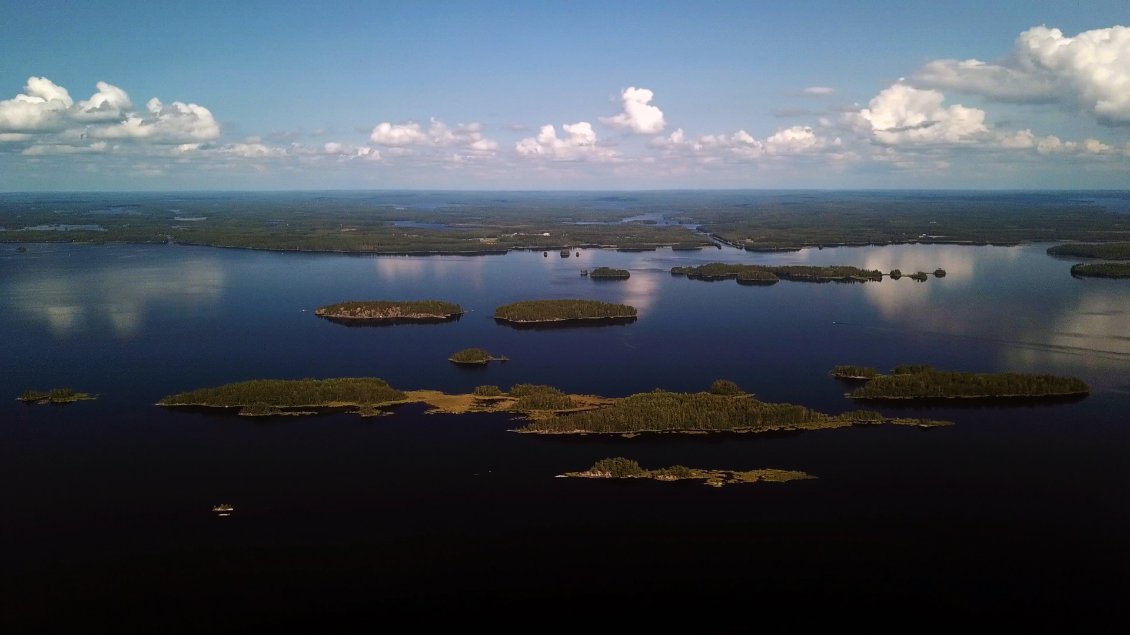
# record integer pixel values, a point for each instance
(54, 395)
(920, 381)
(620, 467)
(475, 357)
(389, 312)
(534, 312)
(608, 273)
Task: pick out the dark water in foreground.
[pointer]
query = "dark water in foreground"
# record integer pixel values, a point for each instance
(1015, 511)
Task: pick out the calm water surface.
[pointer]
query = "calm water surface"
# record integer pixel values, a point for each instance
(1019, 510)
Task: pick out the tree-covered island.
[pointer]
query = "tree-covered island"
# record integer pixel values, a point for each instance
(550, 311)
(475, 357)
(1101, 270)
(54, 395)
(620, 467)
(925, 382)
(608, 273)
(389, 311)
(264, 397)
(770, 274)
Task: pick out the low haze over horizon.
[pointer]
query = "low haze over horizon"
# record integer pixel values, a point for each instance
(564, 95)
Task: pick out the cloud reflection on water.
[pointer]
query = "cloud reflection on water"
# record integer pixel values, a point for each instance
(69, 302)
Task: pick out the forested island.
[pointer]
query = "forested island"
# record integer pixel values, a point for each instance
(266, 397)
(54, 395)
(920, 381)
(620, 467)
(475, 357)
(1103, 251)
(556, 311)
(367, 396)
(608, 273)
(1101, 270)
(389, 311)
(770, 274)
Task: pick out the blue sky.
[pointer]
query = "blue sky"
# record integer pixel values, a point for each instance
(563, 95)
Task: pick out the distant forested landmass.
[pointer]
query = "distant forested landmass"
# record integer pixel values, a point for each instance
(497, 222)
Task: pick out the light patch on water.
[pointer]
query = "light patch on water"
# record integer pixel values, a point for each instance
(69, 303)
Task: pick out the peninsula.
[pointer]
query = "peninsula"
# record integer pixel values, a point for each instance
(924, 382)
(54, 395)
(620, 467)
(389, 311)
(563, 311)
(475, 357)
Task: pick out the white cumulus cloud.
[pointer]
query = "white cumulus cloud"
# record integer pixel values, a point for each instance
(110, 103)
(902, 114)
(397, 135)
(579, 142)
(175, 123)
(437, 135)
(1090, 70)
(42, 105)
(792, 141)
(638, 115)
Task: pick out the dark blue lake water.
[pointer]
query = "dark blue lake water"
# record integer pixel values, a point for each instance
(1014, 510)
